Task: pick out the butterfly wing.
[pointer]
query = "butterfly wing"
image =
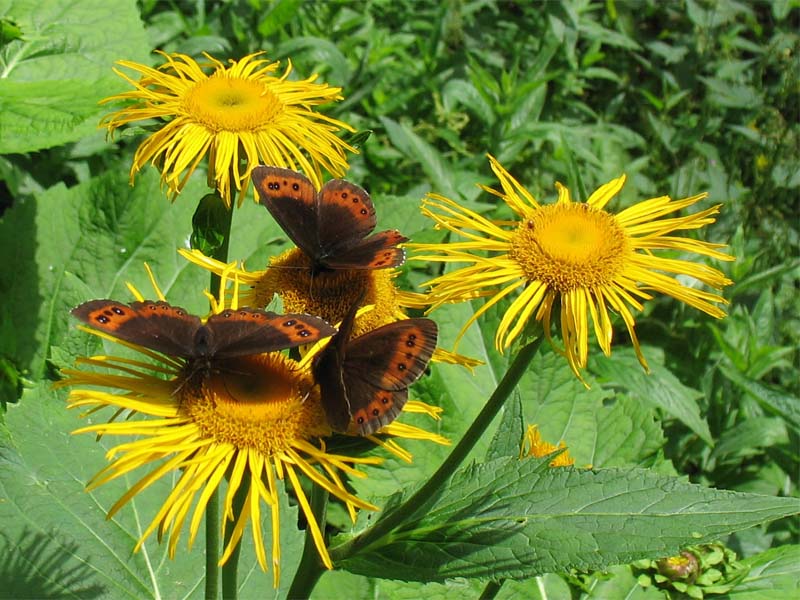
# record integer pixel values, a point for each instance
(246, 331)
(378, 251)
(394, 356)
(371, 407)
(328, 373)
(346, 215)
(155, 325)
(379, 366)
(291, 199)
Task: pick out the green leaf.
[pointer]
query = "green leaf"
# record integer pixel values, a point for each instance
(659, 388)
(773, 574)
(518, 518)
(58, 534)
(783, 404)
(53, 76)
(619, 582)
(746, 438)
(507, 439)
(87, 242)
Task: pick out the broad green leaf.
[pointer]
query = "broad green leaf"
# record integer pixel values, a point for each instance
(86, 242)
(659, 388)
(63, 544)
(53, 76)
(774, 573)
(513, 518)
(628, 433)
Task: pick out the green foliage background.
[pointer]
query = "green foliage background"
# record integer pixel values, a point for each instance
(682, 96)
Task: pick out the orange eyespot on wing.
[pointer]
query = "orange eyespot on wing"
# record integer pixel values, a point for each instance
(368, 377)
(252, 331)
(376, 408)
(291, 199)
(157, 326)
(330, 226)
(396, 354)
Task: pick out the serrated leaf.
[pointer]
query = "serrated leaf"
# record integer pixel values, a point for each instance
(659, 388)
(507, 439)
(86, 242)
(55, 74)
(513, 518)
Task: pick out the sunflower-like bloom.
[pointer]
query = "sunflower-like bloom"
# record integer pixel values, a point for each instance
(328, 294)
(575, 256)
(235, 113)
(254, 420)
(533, 445)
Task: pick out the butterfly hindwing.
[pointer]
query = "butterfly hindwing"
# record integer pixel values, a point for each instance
(252, 331)
(370, 407)
(378, 251)
(158, 326)
(291, 199)
(394, 356)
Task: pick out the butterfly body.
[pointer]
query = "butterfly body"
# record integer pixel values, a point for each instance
(171, 330)
(332, 226)
(364, 382)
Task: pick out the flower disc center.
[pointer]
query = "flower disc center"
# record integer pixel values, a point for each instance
(569, 246)
(223, 103)
(263, 402)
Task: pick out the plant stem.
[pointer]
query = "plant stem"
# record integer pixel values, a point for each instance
(451, 463)
(310, 568)
(223, 229)
(230, 570)
(212, 546)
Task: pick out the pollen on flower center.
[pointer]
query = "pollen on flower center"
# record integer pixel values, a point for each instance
(262, 402)
(570, 246)
(222, 103)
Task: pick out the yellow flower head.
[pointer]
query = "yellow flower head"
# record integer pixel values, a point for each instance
(253, 420)
(243, 112)
(537, 447)
(575, 256)
(328, 294)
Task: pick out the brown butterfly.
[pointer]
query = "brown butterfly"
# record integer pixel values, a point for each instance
(330, 226)
(364, 382)
(231, 333)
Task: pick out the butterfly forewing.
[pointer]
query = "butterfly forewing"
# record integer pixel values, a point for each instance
(345, 215)
(155, 325)
(394, 356)
(251, 331)
(291, 199)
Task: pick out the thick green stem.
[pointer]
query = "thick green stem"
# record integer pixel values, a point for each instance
(219, 228)
(230, 570)
(212, 546)
(310, 568)
(431, 487)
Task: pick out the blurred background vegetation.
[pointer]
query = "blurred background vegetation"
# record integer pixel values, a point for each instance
(683, 97)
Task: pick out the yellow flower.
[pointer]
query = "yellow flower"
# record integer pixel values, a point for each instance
(328, 294)
(239, 113)
(252, 420)
(570, 255)
(537, 447)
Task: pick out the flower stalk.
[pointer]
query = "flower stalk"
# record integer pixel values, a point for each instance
(407, 509)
